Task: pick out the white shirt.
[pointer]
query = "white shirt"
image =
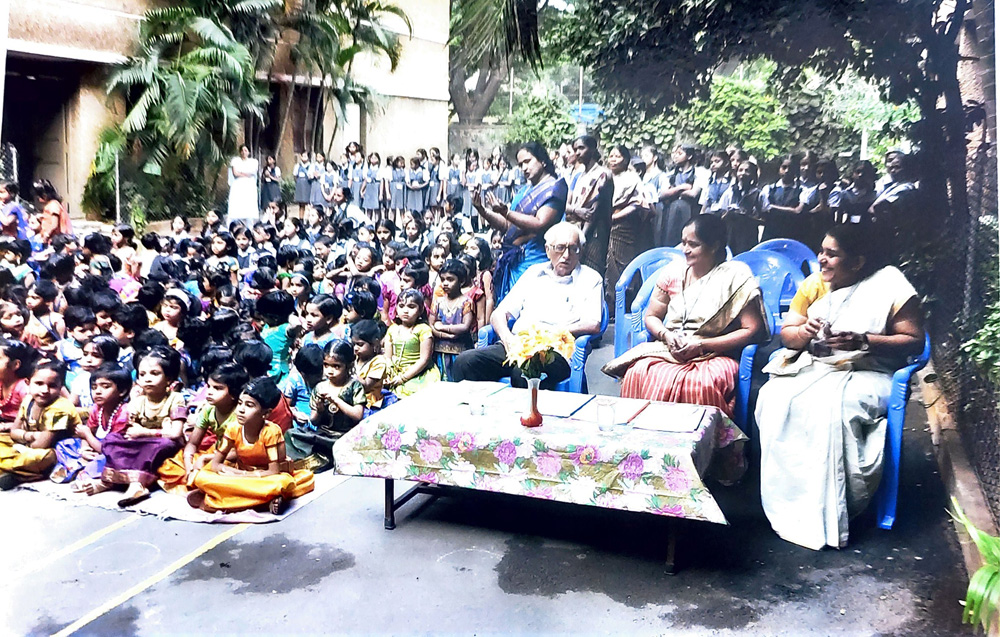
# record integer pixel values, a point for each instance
(540, 297)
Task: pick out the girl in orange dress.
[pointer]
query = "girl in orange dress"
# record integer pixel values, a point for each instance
(54, 216)
(263, 476)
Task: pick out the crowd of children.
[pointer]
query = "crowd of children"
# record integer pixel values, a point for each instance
(222, 363)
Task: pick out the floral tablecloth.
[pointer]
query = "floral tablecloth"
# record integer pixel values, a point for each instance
(431, 437)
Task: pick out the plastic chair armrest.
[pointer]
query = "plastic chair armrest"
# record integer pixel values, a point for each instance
(486, 337)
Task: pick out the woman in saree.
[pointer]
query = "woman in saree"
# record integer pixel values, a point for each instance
(822, 414)
(534, 210)
(702, 313)
(243, 199)
(630, 231)
(54, 217)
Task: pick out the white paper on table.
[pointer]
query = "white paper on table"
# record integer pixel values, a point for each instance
(626, 409)
(551, 403)
(469, 391)
(671, 417)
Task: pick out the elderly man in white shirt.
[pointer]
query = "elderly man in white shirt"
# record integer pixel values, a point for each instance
(560, 294)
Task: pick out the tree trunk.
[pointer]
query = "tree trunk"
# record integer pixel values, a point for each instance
(288, 111)
(471, 107)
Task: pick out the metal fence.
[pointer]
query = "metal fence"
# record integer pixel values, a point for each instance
(965, 287)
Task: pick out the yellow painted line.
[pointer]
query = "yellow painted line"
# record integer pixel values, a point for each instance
(151, 580)
(75, 546)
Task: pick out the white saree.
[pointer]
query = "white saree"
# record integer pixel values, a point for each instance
(822, 420)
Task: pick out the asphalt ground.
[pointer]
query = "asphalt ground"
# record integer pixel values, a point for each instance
(481, 563)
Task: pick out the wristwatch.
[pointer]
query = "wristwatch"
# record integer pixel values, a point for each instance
(865, 345)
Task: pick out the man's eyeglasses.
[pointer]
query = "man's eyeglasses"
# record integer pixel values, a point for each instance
(574, 248)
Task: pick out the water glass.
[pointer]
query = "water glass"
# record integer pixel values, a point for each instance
(605, 414)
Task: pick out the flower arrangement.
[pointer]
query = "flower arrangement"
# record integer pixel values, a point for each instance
(537, 348)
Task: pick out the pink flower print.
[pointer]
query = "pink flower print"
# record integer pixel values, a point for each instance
(548, 464)
(391, 440)
(506, 452)
(430, 450)
(724, 435)
(431, 478)
(676, 480)
(674, 510)
(545, 493)
(631, 467)
(585, 455)
(463, 442)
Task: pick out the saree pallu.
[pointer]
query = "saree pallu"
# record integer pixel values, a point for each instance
(235, 493)
(135, 460)
(822, 420)
(520, 252)
(629, 236)
(27, 463)
(705, 308)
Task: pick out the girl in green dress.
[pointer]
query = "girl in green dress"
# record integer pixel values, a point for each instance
(410, 345)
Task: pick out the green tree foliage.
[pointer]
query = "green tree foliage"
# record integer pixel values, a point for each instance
(737, 112)
(196, 84)
(749, 107)
(543, 119)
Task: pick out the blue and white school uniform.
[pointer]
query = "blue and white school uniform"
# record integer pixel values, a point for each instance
(712, 195)
(397, 199)
(473, 179)
(414, 200)
(316, 185)
(302, 186)
(454, 186)
(355, 177)
(779, 224)
(503, 188)
(370, 199)
(432, 196)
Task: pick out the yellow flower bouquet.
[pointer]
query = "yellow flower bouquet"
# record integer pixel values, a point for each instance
(537, 347)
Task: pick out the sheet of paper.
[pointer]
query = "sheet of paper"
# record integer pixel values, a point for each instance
(671, 417)
(550, 403)
(626, 409)
(469, 391)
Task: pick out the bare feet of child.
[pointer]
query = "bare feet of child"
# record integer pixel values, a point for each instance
(135, 494)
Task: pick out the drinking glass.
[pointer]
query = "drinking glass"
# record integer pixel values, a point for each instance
(605, 414)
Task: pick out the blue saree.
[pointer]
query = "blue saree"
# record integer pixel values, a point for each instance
(517, 256)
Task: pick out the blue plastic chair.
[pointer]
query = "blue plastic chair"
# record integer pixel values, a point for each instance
(888, 489)
(577, 381)
(796, 251)
(645, 264)
(778, 277)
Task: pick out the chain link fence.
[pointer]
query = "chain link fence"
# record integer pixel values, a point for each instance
(966, 287)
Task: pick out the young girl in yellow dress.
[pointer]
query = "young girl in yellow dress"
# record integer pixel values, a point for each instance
(26, 446)
(262, 475)
(410, 346)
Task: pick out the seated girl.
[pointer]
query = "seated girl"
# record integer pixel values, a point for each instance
(26, 445)
(273, 310)
(702, 313)
(80, 458)
(337, 404)
(822, 414)
(410, 346)
(322, 314)
(262, 475)
(99, 349)
(371, 367)
(225, 383)
(156, 425)
(16, 364)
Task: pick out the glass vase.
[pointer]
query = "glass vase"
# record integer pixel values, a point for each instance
(534, 417)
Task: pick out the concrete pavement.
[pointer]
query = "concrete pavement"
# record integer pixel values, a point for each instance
(481, 563)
